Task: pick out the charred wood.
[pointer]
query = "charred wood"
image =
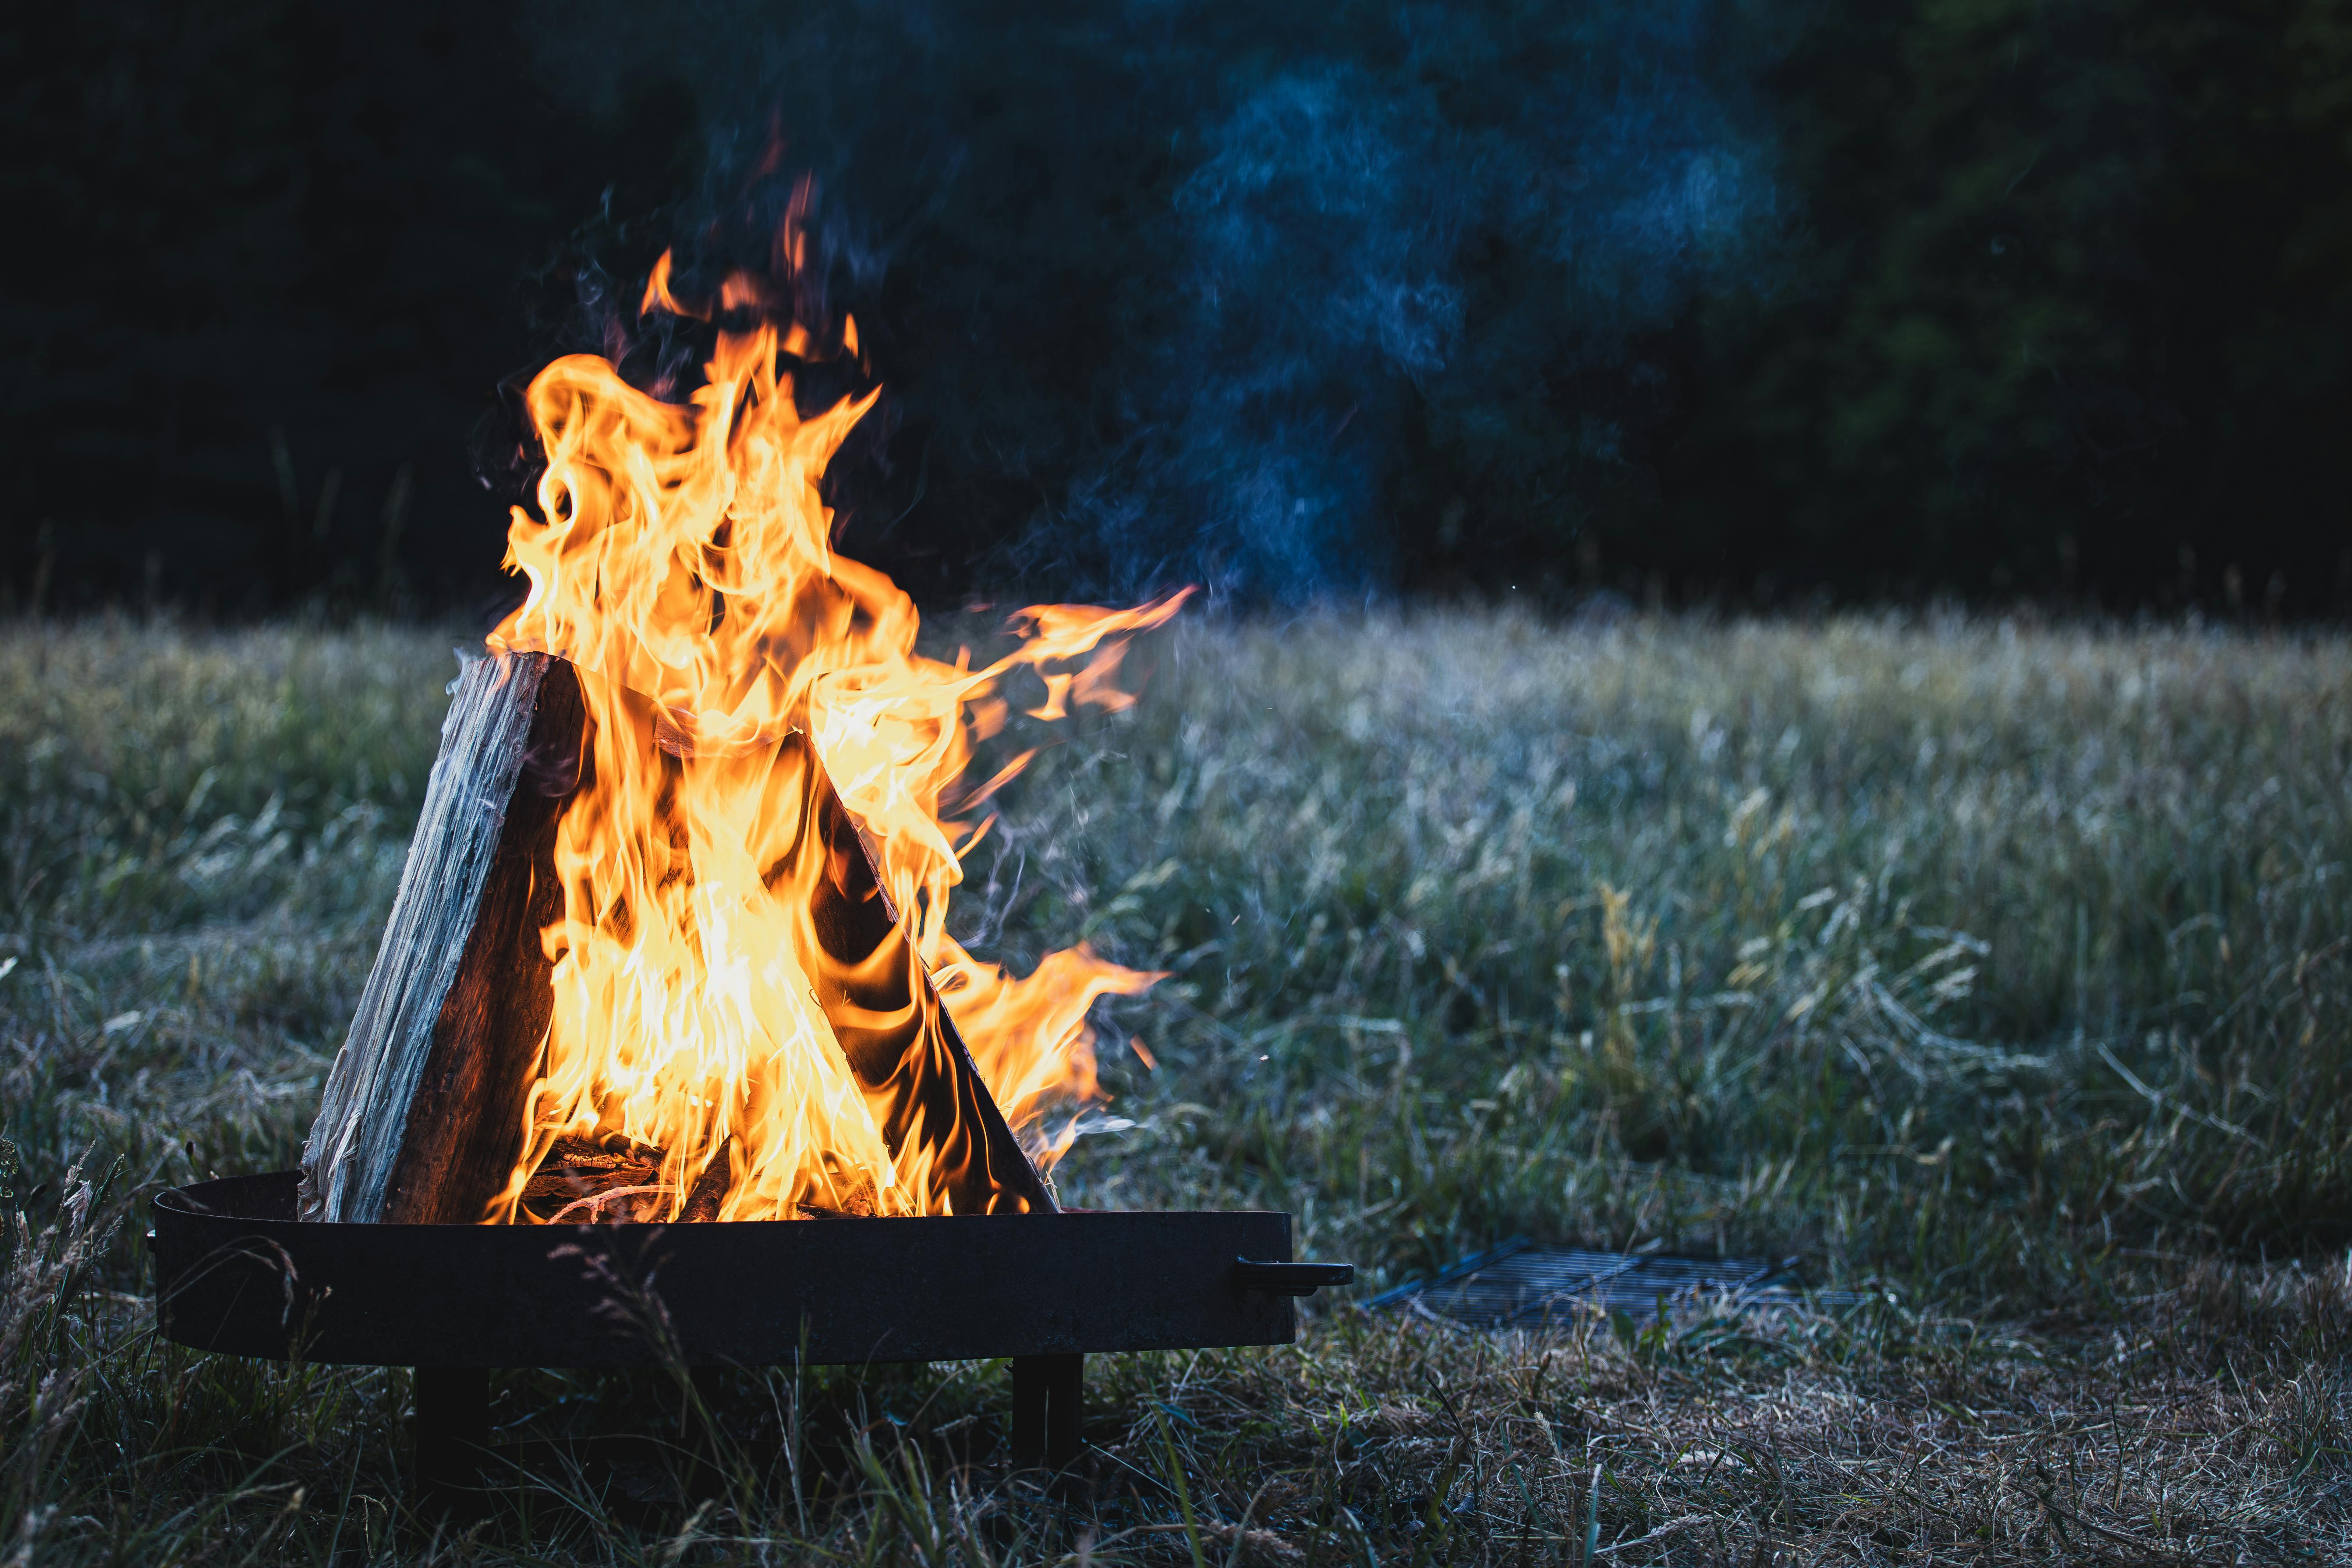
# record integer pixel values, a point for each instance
(900, 1043)
(711, 1187)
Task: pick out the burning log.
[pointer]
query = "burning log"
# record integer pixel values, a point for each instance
(901, 1044)
(424, 1115)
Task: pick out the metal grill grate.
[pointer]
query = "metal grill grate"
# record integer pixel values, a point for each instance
(1521, 1285)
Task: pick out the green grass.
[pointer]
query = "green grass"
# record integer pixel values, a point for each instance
(2001, 969)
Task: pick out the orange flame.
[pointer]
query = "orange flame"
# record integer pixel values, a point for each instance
(684, 567)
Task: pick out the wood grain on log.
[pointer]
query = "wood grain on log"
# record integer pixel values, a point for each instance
(464, 1122)
(428, 1087)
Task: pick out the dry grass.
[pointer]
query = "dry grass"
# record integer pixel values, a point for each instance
(1894, 1439)
(2001, 969)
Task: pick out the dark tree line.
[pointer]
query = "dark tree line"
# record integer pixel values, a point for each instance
(2072, 309)
(266, 273)
(1755, 301)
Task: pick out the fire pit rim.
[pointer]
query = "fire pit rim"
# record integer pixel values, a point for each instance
(746, 1293)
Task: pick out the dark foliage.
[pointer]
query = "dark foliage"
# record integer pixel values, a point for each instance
(1762, 299)
(2073, 315)
(264, 283)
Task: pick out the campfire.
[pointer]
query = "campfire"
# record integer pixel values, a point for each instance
(706, 972)
(668, 1055)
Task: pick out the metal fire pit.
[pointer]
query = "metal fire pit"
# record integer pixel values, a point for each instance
(237, 1273)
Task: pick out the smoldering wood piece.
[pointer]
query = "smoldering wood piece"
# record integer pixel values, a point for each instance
(616, 1204)
(421, 1119)
(610, 1179)
(711, 1187)
(919, 1069)
(564, 1183)
(590, 1153)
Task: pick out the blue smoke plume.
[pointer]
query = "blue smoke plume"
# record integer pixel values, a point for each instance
(1286, 252)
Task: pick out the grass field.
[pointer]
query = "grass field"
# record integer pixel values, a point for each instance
(2000, 969)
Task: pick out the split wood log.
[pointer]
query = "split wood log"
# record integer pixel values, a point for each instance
(901, 1044)
(422, 1118)
(421, 1121)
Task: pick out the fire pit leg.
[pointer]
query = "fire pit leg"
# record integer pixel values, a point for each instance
(453, 1432)
(1047, 1391)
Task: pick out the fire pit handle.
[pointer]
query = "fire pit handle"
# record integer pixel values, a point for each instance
(1291, 1279)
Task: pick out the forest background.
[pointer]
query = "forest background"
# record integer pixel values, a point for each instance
(1689, 301)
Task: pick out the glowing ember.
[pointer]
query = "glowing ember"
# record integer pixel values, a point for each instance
(682, 562)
